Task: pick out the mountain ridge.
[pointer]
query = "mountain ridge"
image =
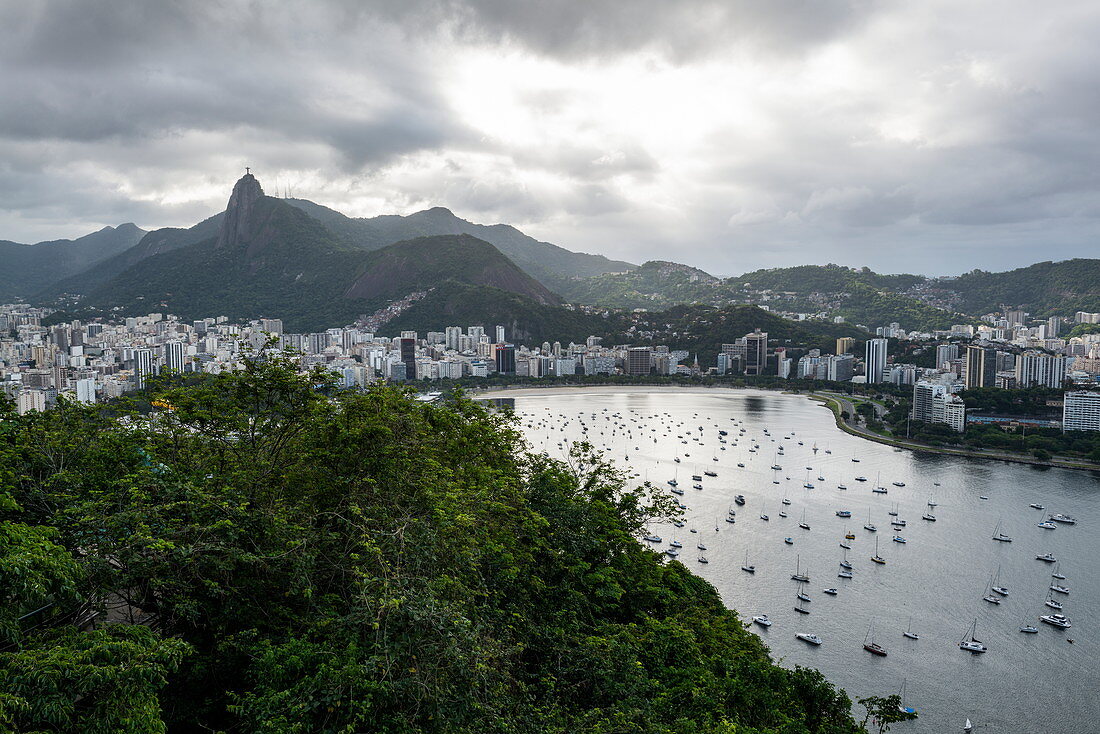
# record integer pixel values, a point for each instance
(265, 257)
(27, 268)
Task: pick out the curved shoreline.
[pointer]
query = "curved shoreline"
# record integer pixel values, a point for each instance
(825, 401)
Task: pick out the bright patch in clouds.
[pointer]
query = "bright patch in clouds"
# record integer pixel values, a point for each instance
(727, 134)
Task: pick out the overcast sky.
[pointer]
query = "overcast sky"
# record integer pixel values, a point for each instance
(934, 136)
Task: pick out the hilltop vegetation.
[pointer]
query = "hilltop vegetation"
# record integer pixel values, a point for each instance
(703, 329)
(655, 285)
(1044, 289)
(273, 556)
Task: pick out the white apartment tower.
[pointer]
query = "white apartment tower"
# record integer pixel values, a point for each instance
(874, 359)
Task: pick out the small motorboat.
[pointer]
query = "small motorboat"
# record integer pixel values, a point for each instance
(830, 592)
(762, 620)
(810, 638)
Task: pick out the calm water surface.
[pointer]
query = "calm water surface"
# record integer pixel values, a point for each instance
(1025, 683)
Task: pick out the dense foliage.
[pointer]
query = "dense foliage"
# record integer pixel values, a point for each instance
(267, 555)
(655, 285)
(1044, 289)
(703, 329)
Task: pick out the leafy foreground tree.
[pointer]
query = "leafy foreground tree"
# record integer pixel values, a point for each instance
(883, 711)
(264, 554)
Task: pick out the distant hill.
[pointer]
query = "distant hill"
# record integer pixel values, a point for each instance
(524, 319)
(860, 296)
(654, 285)
(153, 243)
(549, 264)
(425, 262)
(265, 257)
(1044, 289)
(27, 269)
(703, 329)
(822, 278)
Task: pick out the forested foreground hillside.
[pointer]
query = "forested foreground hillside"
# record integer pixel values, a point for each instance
(266, 555)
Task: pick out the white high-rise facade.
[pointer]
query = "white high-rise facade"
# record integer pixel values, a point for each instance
(1081, 411)
(874, 359)
(1036, 369)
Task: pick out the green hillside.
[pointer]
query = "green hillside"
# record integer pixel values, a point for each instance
(27, 269)
(1044, 289)
(822, 279)
(525, 320)
(421, 263)
(703, 329)
(153, 243)
(351, 563)
(654, 285)
(549, 264)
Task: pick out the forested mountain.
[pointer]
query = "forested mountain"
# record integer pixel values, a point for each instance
(270, 555)
(27, 269)
(153, 243)
(1044, 289)
(264, 257)
(550, 264)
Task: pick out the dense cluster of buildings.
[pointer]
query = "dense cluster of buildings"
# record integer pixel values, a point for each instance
(90, 362)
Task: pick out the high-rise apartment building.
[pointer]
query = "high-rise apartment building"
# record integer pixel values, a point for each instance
(452, 335)
(506, 359)
(845, 344)
(1036, 369)
(945, 354)
(756, 352)
(144, 367)
(174, 356)
(29, 400)
(840, 368)
(874, 359)
(639, 360)
(407, 346)
(1081, 411)
(981, 367)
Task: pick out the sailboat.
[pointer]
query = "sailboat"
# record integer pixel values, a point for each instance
(968, 726)
(909, 631)
(745, 566)
(873, 647)
(844, 563)
(996, 586)
(969, 643)
(901, 706)
(999, 536)
(798, 575)
(989, 597)
(803, 524)
(878, 488)
(869, 525)
(877, 558)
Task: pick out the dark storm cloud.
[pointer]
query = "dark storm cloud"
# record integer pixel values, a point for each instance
(600, 28)
(742, 134)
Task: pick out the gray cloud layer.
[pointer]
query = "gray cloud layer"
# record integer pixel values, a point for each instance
(934, 137)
